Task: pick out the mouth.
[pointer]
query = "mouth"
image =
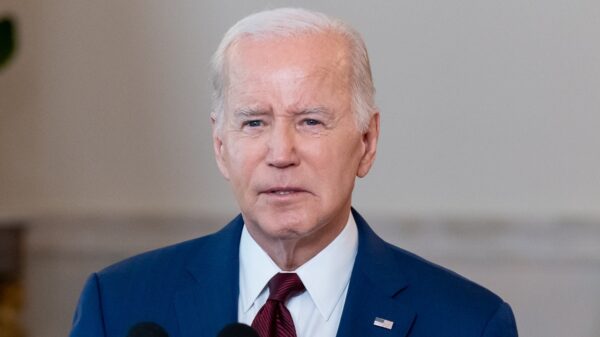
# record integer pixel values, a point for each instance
(283, 191)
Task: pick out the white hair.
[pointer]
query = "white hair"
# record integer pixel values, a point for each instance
(290, 22)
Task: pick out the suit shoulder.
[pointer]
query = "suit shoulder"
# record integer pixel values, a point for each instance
(170, 259)
(160, 258)
(428, 282)
(444, 286)
(455, 303)
(145, 287)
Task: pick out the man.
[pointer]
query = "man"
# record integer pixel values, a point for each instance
(294, 124)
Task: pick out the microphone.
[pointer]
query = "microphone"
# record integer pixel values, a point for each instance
(8, 39)
(147, 329)
(238, 330)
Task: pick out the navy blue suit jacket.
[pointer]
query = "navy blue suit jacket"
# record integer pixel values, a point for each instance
(191, 289)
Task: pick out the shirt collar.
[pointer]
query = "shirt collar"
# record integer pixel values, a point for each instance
(256, 269)
(325, 276)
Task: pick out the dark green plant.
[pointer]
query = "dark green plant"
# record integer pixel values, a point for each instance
(7, 40)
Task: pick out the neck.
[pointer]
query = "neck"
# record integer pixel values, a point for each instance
(289, 256)
(289, 253)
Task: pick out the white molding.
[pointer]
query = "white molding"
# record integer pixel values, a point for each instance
(466, 239)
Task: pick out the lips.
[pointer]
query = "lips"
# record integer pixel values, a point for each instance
(283, 190)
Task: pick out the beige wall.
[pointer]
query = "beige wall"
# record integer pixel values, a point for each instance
(487, 108)
(490, 111)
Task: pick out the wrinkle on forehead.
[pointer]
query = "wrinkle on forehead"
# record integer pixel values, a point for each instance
(291, 89)
(285, 76)
(331, 50)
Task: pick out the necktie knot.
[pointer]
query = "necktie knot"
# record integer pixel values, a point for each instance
(284, 285)
(274, 319)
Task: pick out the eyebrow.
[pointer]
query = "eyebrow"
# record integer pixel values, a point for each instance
(321, 110)
(249, 112)
(246, 112)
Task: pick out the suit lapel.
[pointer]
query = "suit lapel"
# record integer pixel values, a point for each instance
(375, 290)
(211, 303)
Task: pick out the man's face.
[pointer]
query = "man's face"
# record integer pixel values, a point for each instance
(289, 143)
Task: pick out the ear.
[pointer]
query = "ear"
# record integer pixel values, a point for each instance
(369, 139)
(218, 147)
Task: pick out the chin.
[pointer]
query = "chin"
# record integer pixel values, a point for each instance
(287, 225)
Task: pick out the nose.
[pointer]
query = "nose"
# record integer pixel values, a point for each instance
(282, 146)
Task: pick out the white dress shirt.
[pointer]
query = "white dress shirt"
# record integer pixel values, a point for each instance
(318, 310)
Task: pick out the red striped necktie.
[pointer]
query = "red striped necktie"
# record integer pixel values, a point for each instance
(274, 319)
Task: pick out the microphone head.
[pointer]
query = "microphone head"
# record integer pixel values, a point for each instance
(147, 329)
(8, 39)
(238, 330)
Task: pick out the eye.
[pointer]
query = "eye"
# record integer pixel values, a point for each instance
(311, 122)
(253, 123)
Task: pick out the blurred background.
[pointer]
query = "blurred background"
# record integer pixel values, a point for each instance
(489, 160)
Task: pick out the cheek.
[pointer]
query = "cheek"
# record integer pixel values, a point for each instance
(337, 161)
(242, 158)
(344, 153)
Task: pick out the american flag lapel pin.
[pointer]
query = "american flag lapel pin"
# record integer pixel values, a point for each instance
(383, 323)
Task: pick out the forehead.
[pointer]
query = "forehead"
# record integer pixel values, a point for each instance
(293, 71)
(303, 55)
(323, 46)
